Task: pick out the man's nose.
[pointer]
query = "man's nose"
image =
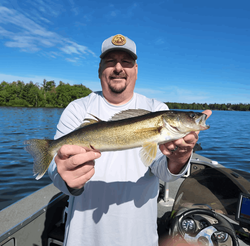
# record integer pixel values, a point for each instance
(118, 67)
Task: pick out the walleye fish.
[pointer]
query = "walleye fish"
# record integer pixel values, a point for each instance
(128, 129)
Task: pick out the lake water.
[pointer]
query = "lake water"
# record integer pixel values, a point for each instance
(227, 141)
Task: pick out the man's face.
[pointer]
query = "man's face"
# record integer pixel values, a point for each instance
(118, 72)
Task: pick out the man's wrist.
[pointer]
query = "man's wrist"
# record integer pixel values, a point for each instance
(177, 166)
(75, 192)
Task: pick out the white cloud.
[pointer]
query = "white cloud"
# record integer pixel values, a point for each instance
(182, 94)
(151, 93)
(22, 32)
(74, 60)
(174, 94)
(93, 85)
(178, 94)
(74, 9)
(69, 49)
(116, 10)
(131, 9)
(159, 41)
(46, 7)
(114, 13)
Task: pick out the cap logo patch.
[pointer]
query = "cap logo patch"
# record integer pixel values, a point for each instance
(119, 40)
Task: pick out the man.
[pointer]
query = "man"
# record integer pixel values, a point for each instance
(113, 200)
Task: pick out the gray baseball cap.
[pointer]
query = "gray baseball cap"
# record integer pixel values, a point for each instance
(119, 42)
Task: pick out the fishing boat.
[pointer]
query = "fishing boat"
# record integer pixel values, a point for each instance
(210, 205)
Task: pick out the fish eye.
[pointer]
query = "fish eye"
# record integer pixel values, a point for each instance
(192, 115)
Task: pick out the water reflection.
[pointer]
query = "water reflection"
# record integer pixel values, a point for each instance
(17, 125)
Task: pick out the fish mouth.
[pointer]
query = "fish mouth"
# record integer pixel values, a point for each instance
(201, 122)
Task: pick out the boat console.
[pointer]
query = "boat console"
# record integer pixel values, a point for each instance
(211, 207)
(243, 210)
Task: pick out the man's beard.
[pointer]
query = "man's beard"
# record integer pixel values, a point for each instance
(117, 90)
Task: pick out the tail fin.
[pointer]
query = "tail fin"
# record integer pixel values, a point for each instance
(39, 150)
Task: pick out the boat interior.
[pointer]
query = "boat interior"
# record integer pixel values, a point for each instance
(202, 207)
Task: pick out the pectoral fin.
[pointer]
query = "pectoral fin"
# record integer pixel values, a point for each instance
(148, 153)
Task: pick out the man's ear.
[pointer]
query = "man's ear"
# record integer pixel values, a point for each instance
(136, 70)
(99, 70)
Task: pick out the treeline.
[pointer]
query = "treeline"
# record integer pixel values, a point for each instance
(212, 106)
(45, 95)
(48, 94)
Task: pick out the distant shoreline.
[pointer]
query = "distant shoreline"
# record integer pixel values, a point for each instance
(48, 95)
(211, 106)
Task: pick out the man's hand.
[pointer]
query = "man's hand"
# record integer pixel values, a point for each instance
(179, 151)
(75, 164)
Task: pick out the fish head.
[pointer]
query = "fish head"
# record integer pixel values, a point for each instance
(183, 122)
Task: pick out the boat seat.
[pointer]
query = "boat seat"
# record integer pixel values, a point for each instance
(56, 236)
(53, 242)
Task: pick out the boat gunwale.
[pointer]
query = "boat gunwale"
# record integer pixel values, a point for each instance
(13, 219)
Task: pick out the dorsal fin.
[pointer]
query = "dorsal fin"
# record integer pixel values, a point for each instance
(130, 113)
(88, 121)
(98, 120)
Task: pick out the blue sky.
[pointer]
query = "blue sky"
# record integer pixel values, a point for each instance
(188, 50)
